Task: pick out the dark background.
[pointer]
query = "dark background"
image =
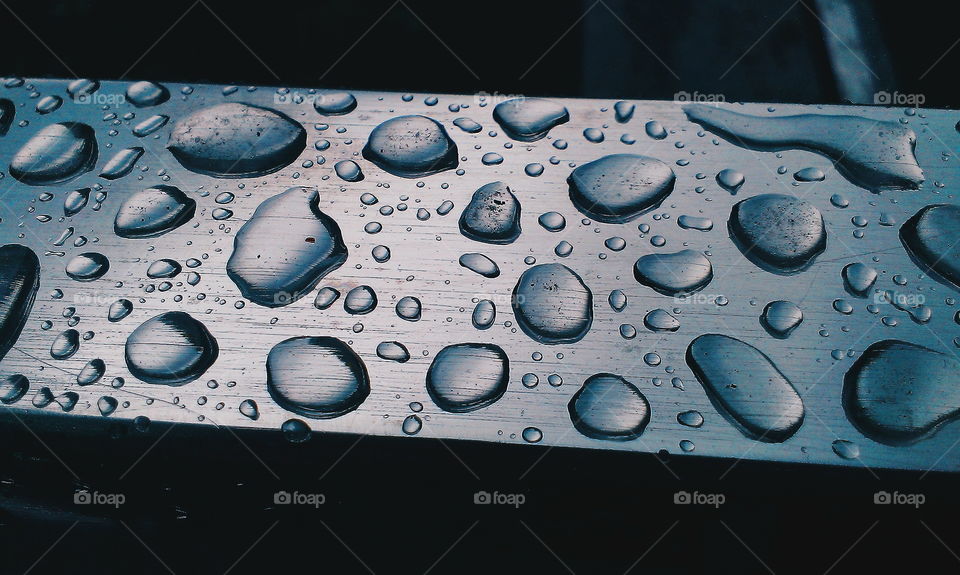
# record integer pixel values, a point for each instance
(202, 502)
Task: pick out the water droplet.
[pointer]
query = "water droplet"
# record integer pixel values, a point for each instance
(552, 221)
(57, 153)
(172, 348)
(484, 314)
(412, 425)
(348, 171)
(690, 418)
(492, 216)
(846, 449)
(411, 147)
(325, 297)
(153, 212)
(620, 187)
(319, 377)
(480, 264)
(65, 345)
(295, 431)
(730, 180)
(780, 318)
(695, 223)
(623, 111)
(393, 351)
(146, 94)
(49, 104)
(532, 435)
(13, 388)
(467, 125)
(661, 320)
(150, 125)
(409, 308)
(75, 201)
(468, 376)
(87, 267)
(236, 141)
(617, 300)
(858, 278)
(334, 103)
(875, 155)
(898, 393)
(746, 387)
(91, 372)
(609, 407)
(529, 119)
(929, 237)
(163, 268)
(107, 405)
(809, 175)
(273, 269)
(248, 408)
(121, 163)
(778, 233)
(674, 274)
(360, 300)
(552, 304)
(19, 282)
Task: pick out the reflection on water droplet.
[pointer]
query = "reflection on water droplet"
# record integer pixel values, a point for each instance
(532, 435)
(172, 348)
(552, 304)
(248, 408)
(87, 267)
(780, 318)
(57, 153)
(673, 274)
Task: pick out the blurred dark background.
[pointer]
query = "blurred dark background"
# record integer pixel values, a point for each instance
(202, 503)
(822, 51)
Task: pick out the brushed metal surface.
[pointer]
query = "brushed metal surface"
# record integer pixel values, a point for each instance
(424, 264)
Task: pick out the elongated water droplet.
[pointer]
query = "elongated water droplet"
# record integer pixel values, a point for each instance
(236, 141)
(778, 233)
(695, 223)
(846, 449)
(609, 407)
(875, 155)
(75, 201)
(673, 274)
(746, 387)
(480, 264)
(529, 119)
(492, 216)
(172, 348)
(57, 153)
(620, 187)
(484, 314)
(164, 268)
(319, 377)
(809, 175)
(119, 310)
(552, 304)
(121, 163)
(468, 376)
(393, 351)
(277, 269)
(690, 418)
(411, 147)
(91, 372)
(153, 212)
(150, 125)
(65, 345)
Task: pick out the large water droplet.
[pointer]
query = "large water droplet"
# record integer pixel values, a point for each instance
(19, 282)
(609, 407)
(334, 103)
(872, 154)
(65, 345)
(620, 187)
(529, 119)
(930, 238)
(13, 388)
(153, 212)
(492, 216)
(236, 141)
(411, 147)
(674, 274)
(552, 304)
(468, 376)
(898, 393)
(172, 348)
(57, 153)
(277, 269)
(146, 94)
(319, 377)
(746, 387)
(778, 233)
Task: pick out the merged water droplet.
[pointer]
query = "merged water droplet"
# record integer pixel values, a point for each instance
(87, 267)
(411, 147)
(19, 282)
(875, 155)
(620, 187)
(746, 387)
(153, 212)
(778, 233)
(236, 141)
(609, 407)
(319, 377)
(552, 304)
(468, 376)
(529, 119)
(273, 269)
(492, 216)
(780, 318)
(898, 393)
(56, 153)
(930, 239)
(674, 274)
(172, 348)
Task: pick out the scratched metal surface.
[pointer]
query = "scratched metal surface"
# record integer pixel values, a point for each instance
(424, 264)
